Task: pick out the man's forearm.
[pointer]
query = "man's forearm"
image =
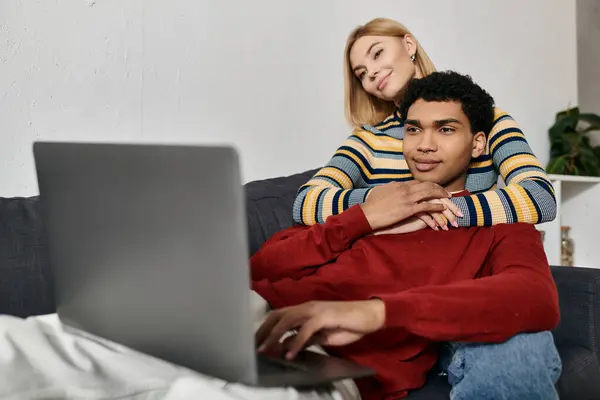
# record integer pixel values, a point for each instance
(490, 309)
(516, 295)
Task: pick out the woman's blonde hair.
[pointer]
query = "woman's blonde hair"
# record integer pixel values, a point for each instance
(361, 108)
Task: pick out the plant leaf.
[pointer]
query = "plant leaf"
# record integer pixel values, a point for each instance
(590, 118)
(557, 165)
(585, 141)
(587, 152)
(591, 128)
(573, 112)
(559, 146)
(574, 142)
(588, 162)
(571, 152)
(565, 124)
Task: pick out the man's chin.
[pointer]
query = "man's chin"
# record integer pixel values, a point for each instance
(429, 177)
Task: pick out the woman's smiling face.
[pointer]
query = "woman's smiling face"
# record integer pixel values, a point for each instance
(383, 64)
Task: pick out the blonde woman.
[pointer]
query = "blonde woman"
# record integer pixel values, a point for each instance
(380, 58)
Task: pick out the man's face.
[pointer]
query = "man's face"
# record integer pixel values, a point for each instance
(439, 144)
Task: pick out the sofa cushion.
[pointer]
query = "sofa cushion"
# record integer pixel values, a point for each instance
(580, 369)
(25, 276)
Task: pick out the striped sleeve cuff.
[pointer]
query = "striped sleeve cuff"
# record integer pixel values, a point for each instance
(530, 202)
(478, 211)
(315, 205)
(469, 217)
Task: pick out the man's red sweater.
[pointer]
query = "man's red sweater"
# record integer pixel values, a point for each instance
(479, 284)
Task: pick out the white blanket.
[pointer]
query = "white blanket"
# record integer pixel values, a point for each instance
(39, 359)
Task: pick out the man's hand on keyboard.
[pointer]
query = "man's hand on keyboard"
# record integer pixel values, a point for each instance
(328, 323)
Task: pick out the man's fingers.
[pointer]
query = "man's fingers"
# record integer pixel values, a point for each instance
(425, 186)
(428, 194)
(266, 327)
(300, 341)
(275, 330)
(430, 208)
(316, 339)
(274, 337)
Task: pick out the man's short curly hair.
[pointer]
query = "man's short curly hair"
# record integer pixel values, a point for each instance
(477, 104)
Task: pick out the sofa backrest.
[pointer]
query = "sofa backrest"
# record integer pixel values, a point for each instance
(26, 285)
(269, 206)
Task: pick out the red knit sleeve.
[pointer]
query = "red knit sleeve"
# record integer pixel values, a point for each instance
(298, 251)
(519, 296)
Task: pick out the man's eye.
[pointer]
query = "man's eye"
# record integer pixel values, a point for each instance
(377, 54)
(447, 129)
(411, 129)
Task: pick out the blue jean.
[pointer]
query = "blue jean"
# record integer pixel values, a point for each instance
(525, 367)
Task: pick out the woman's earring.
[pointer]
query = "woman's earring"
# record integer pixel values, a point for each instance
(413, 57)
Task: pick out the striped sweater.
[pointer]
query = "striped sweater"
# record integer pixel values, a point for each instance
(373, 156)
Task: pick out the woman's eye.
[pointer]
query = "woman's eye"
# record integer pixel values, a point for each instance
(377, 54)
(361, 75)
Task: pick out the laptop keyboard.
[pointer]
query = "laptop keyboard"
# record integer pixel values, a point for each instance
(269, 365)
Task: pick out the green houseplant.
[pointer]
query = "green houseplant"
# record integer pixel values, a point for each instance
(571, 152)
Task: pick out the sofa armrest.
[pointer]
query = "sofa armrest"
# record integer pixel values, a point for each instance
(579, 297)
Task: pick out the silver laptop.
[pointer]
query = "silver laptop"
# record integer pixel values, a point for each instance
(148, 246)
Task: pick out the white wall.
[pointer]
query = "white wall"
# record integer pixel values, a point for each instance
(588, 57)
(265, 75)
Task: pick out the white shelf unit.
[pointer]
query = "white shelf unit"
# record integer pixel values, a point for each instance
(577, 206)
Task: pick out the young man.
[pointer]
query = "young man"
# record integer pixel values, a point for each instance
(388, 301)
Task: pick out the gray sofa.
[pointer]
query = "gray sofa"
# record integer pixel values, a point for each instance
(26, 282)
